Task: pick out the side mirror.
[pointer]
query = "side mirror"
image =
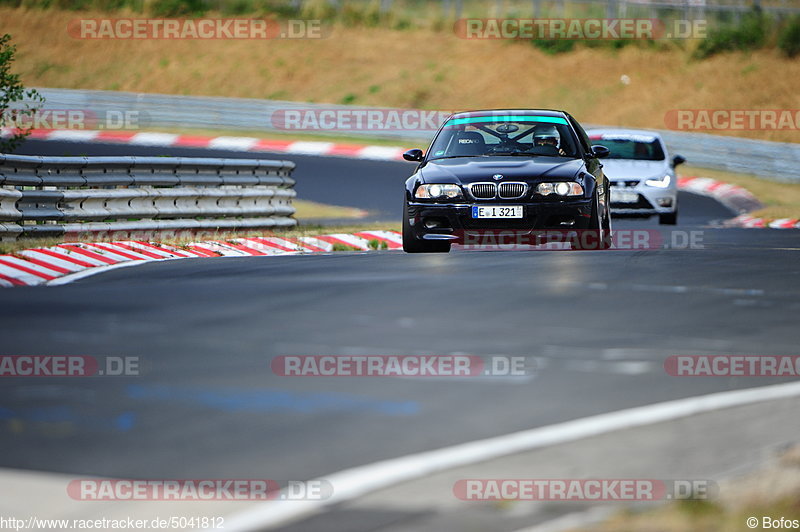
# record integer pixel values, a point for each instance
(678, 159)
(414, 155)
(600, 151)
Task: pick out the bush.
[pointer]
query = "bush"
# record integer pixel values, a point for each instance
(789, 38)
(237, 7)
(15, 101)
(614, 44)
(178, 8)
(750, 34)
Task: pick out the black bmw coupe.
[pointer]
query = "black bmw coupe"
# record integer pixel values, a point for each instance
(519, 170)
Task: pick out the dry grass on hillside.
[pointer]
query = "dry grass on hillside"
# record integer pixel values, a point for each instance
(415, 68)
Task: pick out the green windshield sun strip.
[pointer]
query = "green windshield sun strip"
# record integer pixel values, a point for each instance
(509, 118)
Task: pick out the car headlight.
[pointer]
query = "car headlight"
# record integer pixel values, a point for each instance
(562, 188)
(438, 192)
(659, 183)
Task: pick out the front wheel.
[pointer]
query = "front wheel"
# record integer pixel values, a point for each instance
(670, 218)
(598, 234)
(608, 238)
(415, 245)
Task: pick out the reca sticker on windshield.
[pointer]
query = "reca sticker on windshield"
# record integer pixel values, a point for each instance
(508, 118)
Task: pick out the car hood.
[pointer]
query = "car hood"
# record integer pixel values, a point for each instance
(627, 169)
(464, 170)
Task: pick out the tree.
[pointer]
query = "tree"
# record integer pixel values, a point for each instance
(12, 91)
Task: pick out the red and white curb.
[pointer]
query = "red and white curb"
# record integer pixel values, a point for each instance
(737, 198)
(64, 262)
(733, 196)
(751, 222)
(244, 144)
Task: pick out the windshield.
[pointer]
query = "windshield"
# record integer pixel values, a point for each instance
(505, 135)
(639, 148)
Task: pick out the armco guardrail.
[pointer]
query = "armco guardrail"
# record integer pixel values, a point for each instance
(773, 160)
(54, 196)
(777, 161)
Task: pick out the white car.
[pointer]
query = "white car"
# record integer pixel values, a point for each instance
(640, 172)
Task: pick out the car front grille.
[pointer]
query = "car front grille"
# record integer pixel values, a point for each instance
(624, 183)
(483, 190)
(511, 190)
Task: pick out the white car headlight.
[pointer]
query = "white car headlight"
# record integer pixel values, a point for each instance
(562, 188)
(436, 191)
(659, 183)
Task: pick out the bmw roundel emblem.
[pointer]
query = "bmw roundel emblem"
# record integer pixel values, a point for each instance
(497, 177)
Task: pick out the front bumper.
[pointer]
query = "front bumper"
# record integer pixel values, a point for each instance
(449, 221)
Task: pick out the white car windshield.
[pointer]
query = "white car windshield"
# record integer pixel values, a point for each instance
(636, 147)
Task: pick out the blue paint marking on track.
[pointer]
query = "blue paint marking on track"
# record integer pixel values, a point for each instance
(66, 414)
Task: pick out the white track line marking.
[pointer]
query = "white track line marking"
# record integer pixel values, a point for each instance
(572, 520)
(353, 483)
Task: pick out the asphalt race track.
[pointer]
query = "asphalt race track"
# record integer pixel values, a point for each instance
(596, 325)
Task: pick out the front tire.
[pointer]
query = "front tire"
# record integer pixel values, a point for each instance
(608, 238)
(601, 226)
(670, 218)
(415, 245)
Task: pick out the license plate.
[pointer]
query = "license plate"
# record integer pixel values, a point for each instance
(623, 196)
(497, 211)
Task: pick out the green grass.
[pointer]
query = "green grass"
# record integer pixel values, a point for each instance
(305, 210)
